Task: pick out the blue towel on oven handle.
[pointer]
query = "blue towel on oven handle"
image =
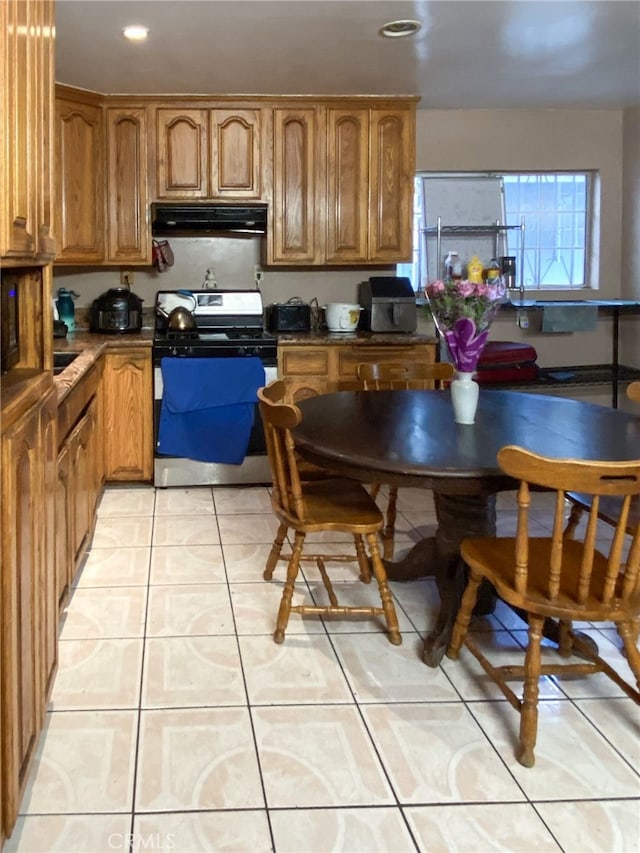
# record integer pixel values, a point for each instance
(208, 407)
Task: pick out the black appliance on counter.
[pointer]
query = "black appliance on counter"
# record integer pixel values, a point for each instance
(229, 324)
(116, 312)
(389, 304)
(291, 316)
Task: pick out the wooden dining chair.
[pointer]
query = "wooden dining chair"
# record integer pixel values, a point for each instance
(393, 376)
(609, 507)
(559, 578)
(319, 505)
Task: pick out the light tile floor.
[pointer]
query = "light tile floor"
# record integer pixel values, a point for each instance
(176, 724)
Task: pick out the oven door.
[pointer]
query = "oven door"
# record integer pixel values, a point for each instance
(176, 471)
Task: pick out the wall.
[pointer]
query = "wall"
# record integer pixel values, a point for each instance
(631, 225)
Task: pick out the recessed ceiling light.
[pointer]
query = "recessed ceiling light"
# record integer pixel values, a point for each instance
(135, 32)
(399, 29)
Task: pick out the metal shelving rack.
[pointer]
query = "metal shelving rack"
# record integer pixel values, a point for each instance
(494, 230)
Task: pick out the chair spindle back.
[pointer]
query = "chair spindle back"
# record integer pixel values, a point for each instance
(576, 567)
(410, 375)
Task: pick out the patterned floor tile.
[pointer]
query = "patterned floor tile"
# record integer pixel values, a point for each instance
(593, 827)
(192, 501)
(85, 763)
(192, 672)
(197, 758)
(94, 674)
(115, 567)
(204, 832)
(185, 530)
(105, 612)
(187, 564)
(187, 610)
(320, 758)
(90, 833)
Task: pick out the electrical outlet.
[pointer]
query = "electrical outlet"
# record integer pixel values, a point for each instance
(522, 319)
(258, 274)
(126, 278)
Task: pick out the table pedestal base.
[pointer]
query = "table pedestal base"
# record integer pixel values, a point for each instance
(458, 516)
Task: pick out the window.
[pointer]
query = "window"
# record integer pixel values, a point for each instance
(555, 209)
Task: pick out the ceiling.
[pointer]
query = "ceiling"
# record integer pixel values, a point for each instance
(469, 53)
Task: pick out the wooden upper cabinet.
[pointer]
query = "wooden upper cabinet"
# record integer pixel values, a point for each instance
(182, 139)
(392, 161)
(295, 233)
(235, 153)
(347, 185)
(128, 230)
(80, 182)
(26, 100)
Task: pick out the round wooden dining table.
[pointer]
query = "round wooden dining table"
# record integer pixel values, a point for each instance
(409, 438)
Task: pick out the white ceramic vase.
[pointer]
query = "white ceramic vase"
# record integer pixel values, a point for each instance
(464, 397)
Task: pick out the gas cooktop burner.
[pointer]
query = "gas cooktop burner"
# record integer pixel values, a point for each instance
(180, 335)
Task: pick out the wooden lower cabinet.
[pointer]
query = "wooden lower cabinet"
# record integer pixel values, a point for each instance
(127, 398)
(28, 627)
(321, 368)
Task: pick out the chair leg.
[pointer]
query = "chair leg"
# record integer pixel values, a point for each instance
(388, 607)
(565, 640)
(628, 632)
(468, 602)
(363, 559)
(287, 593)
(529, 705)
(574, 520)
(389, 533)
(274, 554)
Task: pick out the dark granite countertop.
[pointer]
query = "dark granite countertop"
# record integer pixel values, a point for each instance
(357, 338)
(90, 347)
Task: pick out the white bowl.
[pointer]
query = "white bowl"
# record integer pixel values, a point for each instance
(342, 316)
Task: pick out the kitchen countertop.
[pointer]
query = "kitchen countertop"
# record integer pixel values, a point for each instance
(357, 338)
(91, 346)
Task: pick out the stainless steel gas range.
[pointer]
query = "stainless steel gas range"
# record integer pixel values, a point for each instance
(229, 324)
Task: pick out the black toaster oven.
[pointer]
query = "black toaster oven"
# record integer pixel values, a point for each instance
(288, 317)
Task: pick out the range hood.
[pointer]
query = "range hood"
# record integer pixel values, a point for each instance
(194, 219)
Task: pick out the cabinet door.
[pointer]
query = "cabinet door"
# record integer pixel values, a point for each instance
(392, 170)
(235, 154)
(65, 557)
(45, 77)
(19, 237)
(80, 182)
(129, 238)
(181, 153)
(127, 398)
(294, 235)
(22, 528)
(82, 483)
(47, 598)
(347, 185)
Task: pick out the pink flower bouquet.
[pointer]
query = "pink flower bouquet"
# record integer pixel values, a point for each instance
(463, 311)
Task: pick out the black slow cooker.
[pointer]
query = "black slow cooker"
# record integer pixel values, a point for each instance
(116, 311)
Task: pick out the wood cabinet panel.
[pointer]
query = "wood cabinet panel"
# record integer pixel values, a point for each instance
(127, 400)
(27, 37)
(128, 234)
(347, 185)
(316, 369)
(295, 232)
(22, 527)
(80, 182)
(236, 168)
(48, 610)
(181, 153)
(391, 179)
(19, 194)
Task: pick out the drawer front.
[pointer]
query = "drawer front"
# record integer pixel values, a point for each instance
(309, 361)
(349, 359)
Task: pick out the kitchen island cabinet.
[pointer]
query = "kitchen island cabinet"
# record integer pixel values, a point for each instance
(319, 364)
